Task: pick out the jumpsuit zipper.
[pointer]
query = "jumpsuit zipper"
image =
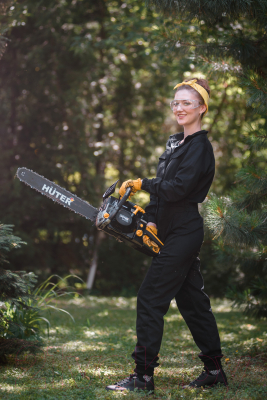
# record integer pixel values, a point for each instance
(166, 169)
(169, 163)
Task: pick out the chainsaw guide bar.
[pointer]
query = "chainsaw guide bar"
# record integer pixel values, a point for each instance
(57, 193)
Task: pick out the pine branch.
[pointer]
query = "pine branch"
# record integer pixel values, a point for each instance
(254, 298)
(245, 264)
(249, 256)
(225, 220)
(257, 138)
(226, 49)
(213, 12)
(252, 190)
(256, 87)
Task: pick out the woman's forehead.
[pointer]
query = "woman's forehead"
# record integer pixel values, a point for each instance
(186, 95)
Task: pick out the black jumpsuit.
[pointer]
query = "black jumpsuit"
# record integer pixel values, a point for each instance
(184, 176)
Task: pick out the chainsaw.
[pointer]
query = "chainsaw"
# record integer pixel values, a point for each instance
(120, 218)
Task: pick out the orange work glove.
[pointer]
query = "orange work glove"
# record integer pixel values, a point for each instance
(134, 185)
(149, 242)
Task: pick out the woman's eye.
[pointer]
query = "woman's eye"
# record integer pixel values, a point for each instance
(187, 103)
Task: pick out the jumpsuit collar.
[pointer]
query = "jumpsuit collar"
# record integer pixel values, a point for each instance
(175, 139)
(180, 135)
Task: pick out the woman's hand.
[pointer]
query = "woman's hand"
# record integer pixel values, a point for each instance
(152, 224)
(151, 227)
(135, 185)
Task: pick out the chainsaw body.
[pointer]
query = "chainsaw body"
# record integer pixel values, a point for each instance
(126, 222)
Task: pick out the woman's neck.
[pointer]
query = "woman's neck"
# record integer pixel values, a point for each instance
(192, 128)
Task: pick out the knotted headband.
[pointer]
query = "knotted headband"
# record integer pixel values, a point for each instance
(204, 94)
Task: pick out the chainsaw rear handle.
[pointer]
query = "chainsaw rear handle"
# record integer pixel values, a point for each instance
(154, 238)
(146, 232)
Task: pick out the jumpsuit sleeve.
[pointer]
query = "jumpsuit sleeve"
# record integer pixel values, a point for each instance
(151, 209)
(194, 165)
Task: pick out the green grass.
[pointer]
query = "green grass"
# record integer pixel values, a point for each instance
(80, 359)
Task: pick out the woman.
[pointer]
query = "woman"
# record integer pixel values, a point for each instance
(184, 176)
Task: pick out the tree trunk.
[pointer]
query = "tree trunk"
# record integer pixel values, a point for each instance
(99, 236)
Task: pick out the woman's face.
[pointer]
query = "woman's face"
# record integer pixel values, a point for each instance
(184, 115)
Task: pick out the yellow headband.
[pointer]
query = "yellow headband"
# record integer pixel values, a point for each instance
(199, 89)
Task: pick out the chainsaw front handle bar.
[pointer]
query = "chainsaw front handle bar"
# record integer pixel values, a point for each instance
(124, 198)
(120, 203)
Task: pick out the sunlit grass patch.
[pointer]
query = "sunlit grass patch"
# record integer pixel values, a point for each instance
(81, 358)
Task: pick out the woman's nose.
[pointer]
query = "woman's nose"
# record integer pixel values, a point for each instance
(177, 106)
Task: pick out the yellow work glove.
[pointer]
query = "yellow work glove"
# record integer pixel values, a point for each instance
(149, 242)
(134, 185)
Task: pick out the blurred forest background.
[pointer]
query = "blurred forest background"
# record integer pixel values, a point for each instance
(84, 101)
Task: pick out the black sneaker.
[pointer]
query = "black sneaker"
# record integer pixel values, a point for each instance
(207, 378)
(134, 382)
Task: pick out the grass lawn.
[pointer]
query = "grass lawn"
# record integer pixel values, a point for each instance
(81, 358)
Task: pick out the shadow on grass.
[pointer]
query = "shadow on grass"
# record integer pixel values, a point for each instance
(82, 358)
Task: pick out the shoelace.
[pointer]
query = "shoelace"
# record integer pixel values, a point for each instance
(126, 380)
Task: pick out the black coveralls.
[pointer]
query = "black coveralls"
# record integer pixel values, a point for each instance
(184, 176)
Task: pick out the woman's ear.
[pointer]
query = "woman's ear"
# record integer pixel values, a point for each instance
(202, 108)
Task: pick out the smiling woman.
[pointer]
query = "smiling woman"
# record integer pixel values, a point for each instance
(184, 176)
(190, 104)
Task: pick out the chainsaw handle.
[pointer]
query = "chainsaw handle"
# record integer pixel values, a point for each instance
(125, 197)
(120, 203)
(154, 238)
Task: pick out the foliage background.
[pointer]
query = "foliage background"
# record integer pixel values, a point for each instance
(84, 96)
